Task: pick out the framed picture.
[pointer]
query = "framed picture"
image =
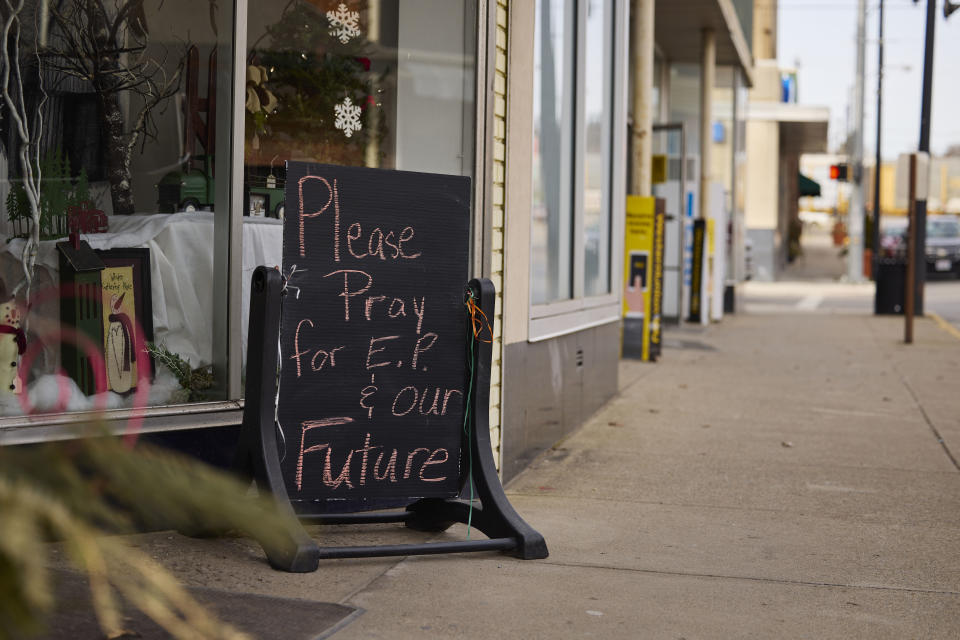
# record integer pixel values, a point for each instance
(259, 204)
(127, 309)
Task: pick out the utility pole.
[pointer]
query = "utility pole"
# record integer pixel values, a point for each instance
(908, 292)
(708, 74)
(641, 61)
(920, 234)
(875, 235)
(855, 222)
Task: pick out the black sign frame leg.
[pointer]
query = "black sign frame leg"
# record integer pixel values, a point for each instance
(258, 458)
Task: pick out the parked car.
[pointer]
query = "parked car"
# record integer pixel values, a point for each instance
(942, 243)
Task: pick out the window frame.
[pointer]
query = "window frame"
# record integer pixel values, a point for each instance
(561, 317)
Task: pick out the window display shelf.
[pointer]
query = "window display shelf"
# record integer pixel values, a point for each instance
(182, 275)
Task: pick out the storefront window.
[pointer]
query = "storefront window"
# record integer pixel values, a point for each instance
(572, 150)
(370, 83)
(598, 113)
(134, 150)
(552, 223)
(375, 83)
(129, 149)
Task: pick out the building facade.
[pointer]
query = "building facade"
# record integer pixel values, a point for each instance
(546, 105)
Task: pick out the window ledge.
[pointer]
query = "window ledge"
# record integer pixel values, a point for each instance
(572, 317)
(66, 426)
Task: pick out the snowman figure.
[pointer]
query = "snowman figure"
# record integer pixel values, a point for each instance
(12, 343)
(119, 351)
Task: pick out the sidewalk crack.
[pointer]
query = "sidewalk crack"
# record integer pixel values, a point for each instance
(366, 585)
(787, 581)
(926, 417)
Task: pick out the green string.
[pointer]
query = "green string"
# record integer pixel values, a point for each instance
(467, 423)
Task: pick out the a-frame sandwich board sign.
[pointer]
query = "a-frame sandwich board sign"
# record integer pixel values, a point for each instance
(384, 366)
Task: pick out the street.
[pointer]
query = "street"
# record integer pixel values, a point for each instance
(942, 298)
(815, 283)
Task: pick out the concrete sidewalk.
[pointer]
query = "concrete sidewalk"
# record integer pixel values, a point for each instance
(772, 477)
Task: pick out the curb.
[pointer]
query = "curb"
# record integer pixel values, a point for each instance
(946, 326)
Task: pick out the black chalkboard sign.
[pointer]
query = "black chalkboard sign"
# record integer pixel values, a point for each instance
(373, 334)
(378, 402)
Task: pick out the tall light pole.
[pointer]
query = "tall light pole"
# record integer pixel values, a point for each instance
(855, 222)
(920, 233)
(875, 232)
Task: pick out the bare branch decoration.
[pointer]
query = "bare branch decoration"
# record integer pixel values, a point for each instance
(108, 49)
(28, 133)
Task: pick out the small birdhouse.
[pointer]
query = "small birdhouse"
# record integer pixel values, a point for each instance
(80, 308)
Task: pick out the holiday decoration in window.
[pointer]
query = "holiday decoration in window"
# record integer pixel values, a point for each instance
(344, 24)
(12, 342)
(59, 195)
(347, 117)
(119, 338)
(127, 312)
(86, 219)
(106, 45)
(80, 270)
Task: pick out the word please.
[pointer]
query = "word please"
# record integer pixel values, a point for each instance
(378, 243)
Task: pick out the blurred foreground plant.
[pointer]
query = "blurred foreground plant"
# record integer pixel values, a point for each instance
(84, 491)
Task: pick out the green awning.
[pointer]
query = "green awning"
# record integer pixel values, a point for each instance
(806, 186)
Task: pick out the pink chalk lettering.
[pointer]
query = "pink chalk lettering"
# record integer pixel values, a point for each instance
(307, 426)
(406, 237)
(419, 348)
(446, 398)
(391, 469)
(371, 351)
(410, 457)
(303, 216)
(434, 459)
(347, 293)
(413, 403)
(296, 344)
(351, 236)
(418, 311)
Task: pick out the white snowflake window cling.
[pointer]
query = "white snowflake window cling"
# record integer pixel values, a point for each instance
(347, 117)
(344, 24)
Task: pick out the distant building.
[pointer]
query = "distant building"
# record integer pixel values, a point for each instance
(779, 131)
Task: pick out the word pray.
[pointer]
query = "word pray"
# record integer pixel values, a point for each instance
(372, 305)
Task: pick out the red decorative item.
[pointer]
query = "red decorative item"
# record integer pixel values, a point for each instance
(86, 219)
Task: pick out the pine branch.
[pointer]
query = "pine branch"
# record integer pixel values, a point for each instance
(80, 491)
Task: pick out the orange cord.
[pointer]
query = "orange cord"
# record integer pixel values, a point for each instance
(479, 321)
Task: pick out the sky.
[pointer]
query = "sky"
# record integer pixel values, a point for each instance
(818, 37)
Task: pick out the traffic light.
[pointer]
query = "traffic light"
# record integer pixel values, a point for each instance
(839, 172)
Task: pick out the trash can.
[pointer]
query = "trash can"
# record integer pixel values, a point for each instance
(891, 275)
